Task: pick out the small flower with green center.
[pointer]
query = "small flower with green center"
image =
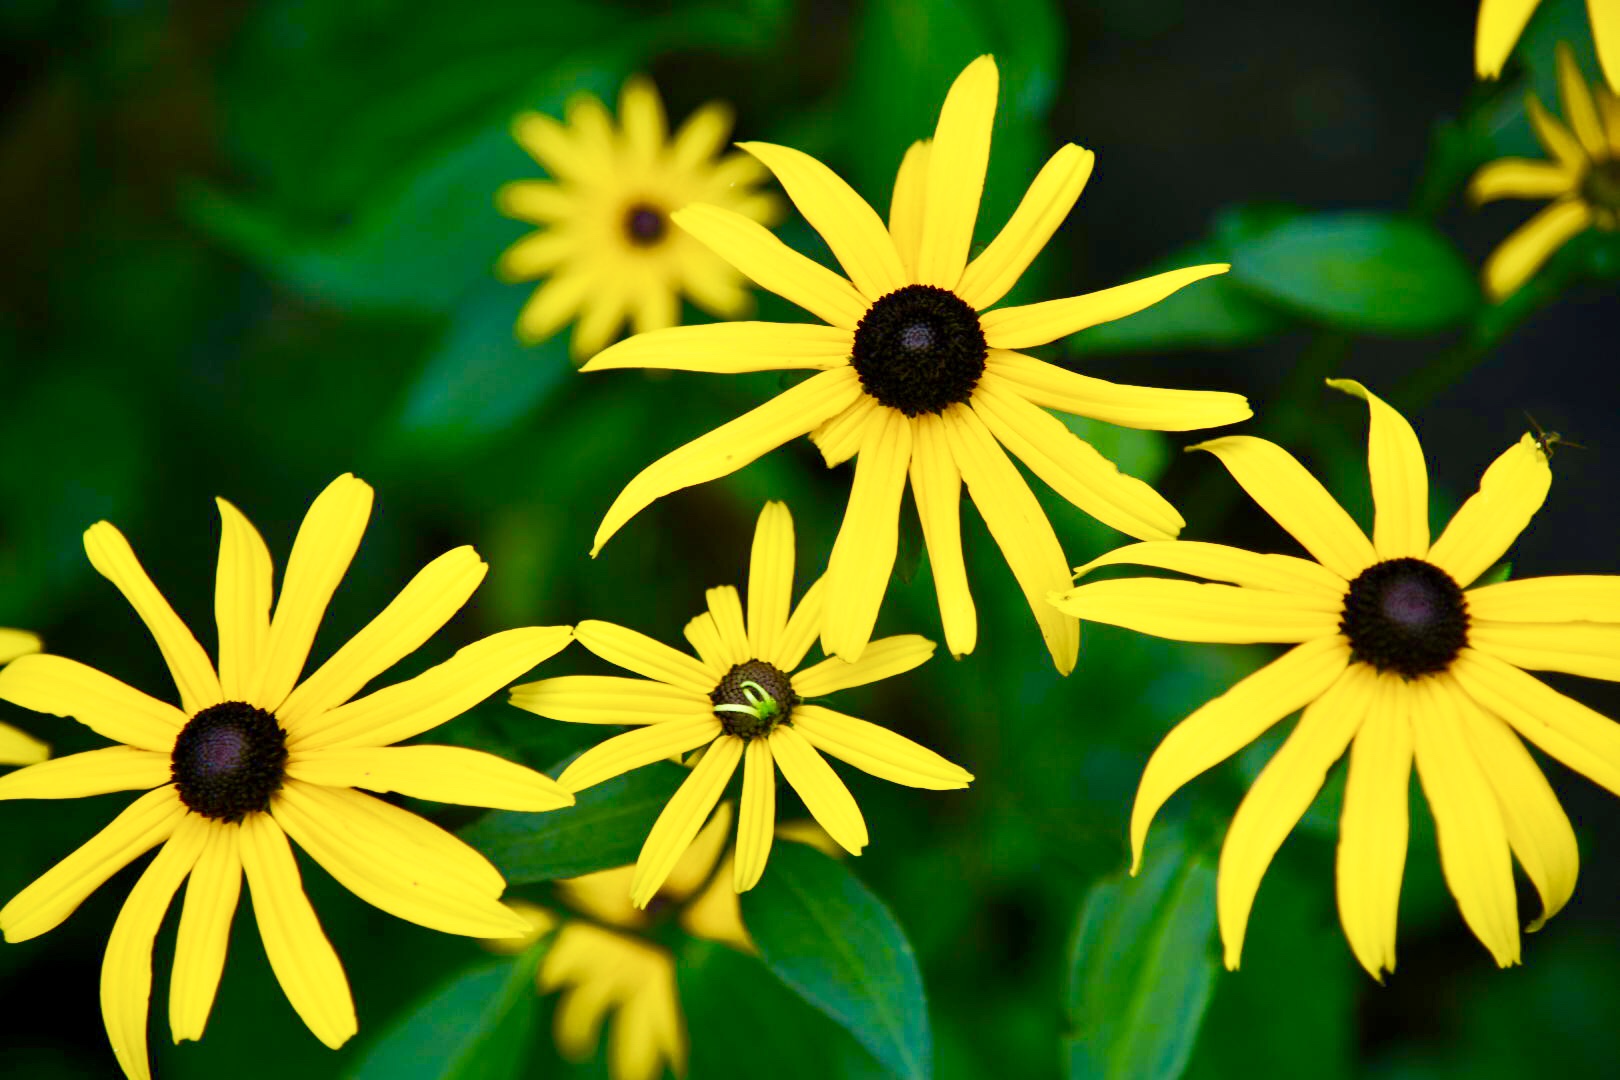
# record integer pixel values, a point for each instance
(19, 747)
(1583, 179)
(1502, 21)
(252, 756)
(738, 700)
(917, 381)
(1396, 659)
(605, 241)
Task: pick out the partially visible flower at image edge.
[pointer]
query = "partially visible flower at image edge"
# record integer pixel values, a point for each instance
(605, 243)
(917, 381)
(741, 701)
(19, 747)
(1397, 660)
(1583, 179)
(253, 756)
(1502, 21)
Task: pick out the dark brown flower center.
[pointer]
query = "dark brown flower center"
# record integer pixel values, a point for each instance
(752, 699)
(1407, 616)
(919, 349)
(645, 225)
(229, 759)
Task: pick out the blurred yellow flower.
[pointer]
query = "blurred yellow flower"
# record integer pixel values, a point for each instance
(915, 382)
(1583, 179)
(18, 747)
(739, 701)
(1502, 21)
(1396, 662)
(253, 756)
(605, 241)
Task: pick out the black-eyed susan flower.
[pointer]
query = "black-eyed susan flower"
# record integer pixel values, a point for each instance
(19, 747)
(252, 757)
(741, 700)
(605, 243)
(917, 381)
(1502, 21)
(1396, 659)
(1582, 179)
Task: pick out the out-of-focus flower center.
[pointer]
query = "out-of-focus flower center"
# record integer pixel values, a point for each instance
(1407, 616)
(229, 759)
(919, 349)
(645, 225)
(1600, 189)
(752, 699)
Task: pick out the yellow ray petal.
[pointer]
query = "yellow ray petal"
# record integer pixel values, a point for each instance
(641, 116)
(725, 606)
(436, 593)
(326, 543)
(700, 137)
(539, 202)
(756, 821)
(1605, 17)
(1590, 649)
(1052, 387)
(15, 643)
(1193, 611)
(1518, 257)
(205, 932)
(1520, 178)
(824, 794)
(681, 818)
(639, 653)
(883, 658)
(1400, 479)
(863, 554)
(1282, 793)
(1296, 501)
(440, 693)
(548, 142)
(553, 305)
(1019, 526)
(537, 254)
(693, 869)
(1373, 828)
(633, 749)
(732, 445)
(803, 627)
(94, 772)
(770, 580)
(1071, 466)
(1579, 108)
(1279, 573)
(1474, 851)
(1557, 139)
(1224, 725)
(840, 437)
(1039, 324)
(303, 959)
(703, 635)
(609, 699)
(20, 748)
(449, 774)
(731, 348)
(242, 590)
(126, 968)
(715, 914)
(1510, 493)
(936, 485)
(114, 560)
(1500, 24)
(877, 750)
(772, 265)
(955, 176)
(653, 305)
(908, 204)
(63, 687)
(1571, 598)
(1040, 212)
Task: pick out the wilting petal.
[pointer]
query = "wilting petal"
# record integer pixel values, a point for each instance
(863, 555)
(205, 932)
(448, 774)
(877, 750)
(1400, 480)
(1518, 257)
(1278, 573)
(1193, 611)
(1590, 649)
(756, 821)
(907, 206)
(770, 580)
(63, 687)
(634, 749)
(1373, 828)
(635, 651)
(883, 658)
(803, 627)
(1572, 598)
(936, 485)
(1500, 24)
(824, 795)
(683, 816)
(1149, 407)
(1510, 493)
(1040, 212)
(609, 699)
(955, 177)
(94, 772)
(242, 590)
(1520, 178)
(730, 348)
(772, 265)
(1045, 322)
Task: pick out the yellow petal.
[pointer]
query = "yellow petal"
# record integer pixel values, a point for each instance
(549, 143)
(537, 201)
(126, 968)
(63, 687)
(1281, 794)
(635, 651)
(94, 772)
(725, 606)
(553, 304)
(700, 137)
(1474, 851)
(1571, 598)
(936, 486)
(20, 748)
(877, 750)
(772, 265)
(1589, 649)
(1373, 828)
(608, 699)
(1052, 387)
(693, 869)
(824, 795)
(1520, 178)
(1296, 501)
(438, 694)
(803, 627)
(326, 543)
(703, 635)
(1500, 24)
(955, 175)
(1193, 611)
(449, 774)
(641, 115)
(839, 437)
(1606, 38)
(907, 205)
(242, 590)
(634, 749)
(756, 821)
(1400, 480)
(732, 445)
(770, 580)
(1040, 212)
(1019, 526)
(1518, 257)
(731, 348)
(1039, 324)
(1279, 573)
(537, 254)
(114, 560)
(681, 818)
(15, 643)
(205, 932)
(1558, 140)
(715, 914)
(1579, 108)
(1224, 725)
(883, 658)
(1071, 466)
(653, 306)
(863, 554)
(432, 597)
(1510, 493)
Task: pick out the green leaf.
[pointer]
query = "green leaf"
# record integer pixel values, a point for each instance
(475, 1027)
(1140, 968)
(1362, 271)
(839, 948)
(604, 828)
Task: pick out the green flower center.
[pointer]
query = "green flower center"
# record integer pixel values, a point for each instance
(919, 349)
(752, 699)
(645, 225)
(229, 759)
(1407, 616)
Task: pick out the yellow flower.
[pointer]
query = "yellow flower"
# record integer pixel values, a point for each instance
(1393, 660)
(739, 700)
(916, 382)
(253, 756)
(1502, 21)
(605, 240)
(18, 747)
(1583, 180)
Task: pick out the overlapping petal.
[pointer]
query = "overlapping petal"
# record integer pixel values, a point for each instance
(877, 750)
(823, 793)
(448, 774)
(1194, 611)
(63, 687)
(1042, 209)
(863, 555)
(635, 651)
(683, 816)
(212, 893)
(1278, 573)
(907, 204)
(1052, 387)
